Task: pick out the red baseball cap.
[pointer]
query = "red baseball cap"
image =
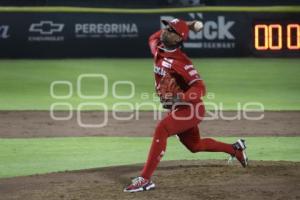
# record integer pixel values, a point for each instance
(179, 26)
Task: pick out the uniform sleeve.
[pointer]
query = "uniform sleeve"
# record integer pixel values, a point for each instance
(196, 88)
(154, 41)
(195, 92)
(187, 72)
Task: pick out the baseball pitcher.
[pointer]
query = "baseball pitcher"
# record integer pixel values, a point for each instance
(180, 88)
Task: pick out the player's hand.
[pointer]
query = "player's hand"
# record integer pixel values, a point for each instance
(195, 25)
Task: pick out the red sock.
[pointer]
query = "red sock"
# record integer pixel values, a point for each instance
(157, 150)
(212, 145)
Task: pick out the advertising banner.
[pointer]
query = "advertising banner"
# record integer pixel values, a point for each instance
(225, 34)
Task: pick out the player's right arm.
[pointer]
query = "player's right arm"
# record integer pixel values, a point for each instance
(154, 41)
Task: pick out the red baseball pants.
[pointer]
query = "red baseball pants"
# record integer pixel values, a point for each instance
(183, 121)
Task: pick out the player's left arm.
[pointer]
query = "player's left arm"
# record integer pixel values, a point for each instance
(196, 85)
(196, 91)
(170, 92)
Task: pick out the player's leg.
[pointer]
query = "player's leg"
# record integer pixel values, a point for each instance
(192, 140)
(170, 125)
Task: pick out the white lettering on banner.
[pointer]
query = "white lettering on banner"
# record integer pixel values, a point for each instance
(211, 30)
(106, 30)
(4, 31)
(210, 45)
(224, 30)
(219, 29)
(216, 33)
(46, 31)
(45, 38)
(46, 27)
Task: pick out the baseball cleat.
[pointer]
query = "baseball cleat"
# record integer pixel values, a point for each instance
(240, 152)
(140, 184)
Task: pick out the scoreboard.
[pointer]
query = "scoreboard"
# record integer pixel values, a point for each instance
(277, 36)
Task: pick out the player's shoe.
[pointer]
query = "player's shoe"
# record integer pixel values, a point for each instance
(240, 152)
(140, 184)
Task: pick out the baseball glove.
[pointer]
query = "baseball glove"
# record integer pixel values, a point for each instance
(168, 90)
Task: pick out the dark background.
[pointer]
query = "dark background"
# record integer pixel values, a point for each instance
(18, 44)
(146, 3)
(15, 33)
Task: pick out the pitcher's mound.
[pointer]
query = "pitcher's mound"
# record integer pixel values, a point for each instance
(173, 179)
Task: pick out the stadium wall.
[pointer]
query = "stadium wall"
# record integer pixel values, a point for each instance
(62, 32)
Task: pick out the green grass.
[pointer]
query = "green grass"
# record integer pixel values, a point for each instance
(35, 156)
(25, 84)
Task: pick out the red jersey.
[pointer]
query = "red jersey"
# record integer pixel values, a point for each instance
(174, 61)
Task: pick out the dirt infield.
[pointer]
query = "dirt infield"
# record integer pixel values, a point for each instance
(174, 180)
(27, 124)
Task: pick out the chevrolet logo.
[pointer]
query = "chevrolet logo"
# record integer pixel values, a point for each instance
(46, 27)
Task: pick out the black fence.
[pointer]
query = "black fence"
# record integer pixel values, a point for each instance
(77, 34)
